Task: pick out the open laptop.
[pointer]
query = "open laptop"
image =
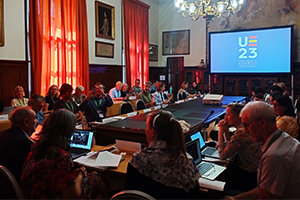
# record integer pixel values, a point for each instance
(206, 169)
(8, 110)
(81, 143)
(207, 151)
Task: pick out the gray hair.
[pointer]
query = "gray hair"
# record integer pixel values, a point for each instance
(19, 115)
(257, 109)
(80, 87)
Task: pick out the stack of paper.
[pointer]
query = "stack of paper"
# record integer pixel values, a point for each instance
(215, 185)
(100, 160)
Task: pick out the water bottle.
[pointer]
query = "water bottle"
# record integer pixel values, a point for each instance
(171, 89)
(84, 123)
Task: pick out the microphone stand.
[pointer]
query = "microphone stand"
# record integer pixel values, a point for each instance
(204, 126)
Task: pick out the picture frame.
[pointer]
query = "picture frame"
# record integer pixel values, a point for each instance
(176, 42)
(105, 20)
(1, 23)
(153, 52)
(103, 49)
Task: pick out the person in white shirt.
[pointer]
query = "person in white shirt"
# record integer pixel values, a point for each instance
(159, 96)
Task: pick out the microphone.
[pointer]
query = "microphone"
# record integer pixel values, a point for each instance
(211, 112)
(202, 124)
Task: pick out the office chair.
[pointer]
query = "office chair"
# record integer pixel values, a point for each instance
(125, 108)
(132, 194)
(9, 188)
(140, 105)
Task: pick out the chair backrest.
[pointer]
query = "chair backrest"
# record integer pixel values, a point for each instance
(140, 104)
(132, 194)
(9, 188)
(126, 108)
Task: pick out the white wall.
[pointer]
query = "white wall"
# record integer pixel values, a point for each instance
(170, 20)
(14, 31)
(92, 33)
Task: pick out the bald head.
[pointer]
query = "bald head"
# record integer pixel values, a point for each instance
(24, 118)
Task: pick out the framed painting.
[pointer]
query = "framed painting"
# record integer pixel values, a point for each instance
(176, 42)
(104, 49)
(153, 52)
(105, 20)
(1, 23)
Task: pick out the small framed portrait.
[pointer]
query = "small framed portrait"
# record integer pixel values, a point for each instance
(104, 49)
(153, 54)
(105, 20)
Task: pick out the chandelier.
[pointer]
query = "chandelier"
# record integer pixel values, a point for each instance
(208, 9)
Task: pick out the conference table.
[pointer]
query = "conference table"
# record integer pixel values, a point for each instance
(133, 128)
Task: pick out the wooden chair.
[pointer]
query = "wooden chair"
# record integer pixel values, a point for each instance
(9, 188)
(132, 194)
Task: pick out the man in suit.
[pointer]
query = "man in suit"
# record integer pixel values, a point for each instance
(15, 144)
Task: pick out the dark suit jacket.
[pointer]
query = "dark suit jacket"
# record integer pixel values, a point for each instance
(14, 148)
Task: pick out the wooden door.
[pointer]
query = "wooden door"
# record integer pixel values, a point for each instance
(174, 74)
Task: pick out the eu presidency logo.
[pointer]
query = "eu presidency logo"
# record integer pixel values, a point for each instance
(248, 50)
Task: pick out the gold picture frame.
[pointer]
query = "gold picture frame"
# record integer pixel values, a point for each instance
(103, 49)
(105, 20)
(176, 42)
(1, 23)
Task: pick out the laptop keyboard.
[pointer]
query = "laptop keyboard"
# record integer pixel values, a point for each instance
(209, 151)
(204, 167)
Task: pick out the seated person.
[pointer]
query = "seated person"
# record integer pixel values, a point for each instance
(78, 96)
(241, 173)
(146, 96)
(194, 89)
(124, 92)
(66, 101)
(283, 87)
(258, 97)
(115, 93)
(285, 112)
(19, 99)
(154, 86)
(15, 143)
(37, 102)
(262, 92)
(182, 93)
(136, 89)
(52, 96)
(95, 104)
(48, 170)
(159, 96)
(163, 169)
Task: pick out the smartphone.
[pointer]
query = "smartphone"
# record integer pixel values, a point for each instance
(94, 91)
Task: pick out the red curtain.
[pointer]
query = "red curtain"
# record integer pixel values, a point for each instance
(136, 34)
(58, 43)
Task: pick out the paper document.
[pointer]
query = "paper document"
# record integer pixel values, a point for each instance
(209, 184)
(89, 160)
(107, 159)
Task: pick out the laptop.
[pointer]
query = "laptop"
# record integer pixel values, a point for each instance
(81, 143)
(207, 151)
(8, 110)
(128, 146)
(207, 170)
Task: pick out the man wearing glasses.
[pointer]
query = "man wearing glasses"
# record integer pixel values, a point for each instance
(279, 168)
(96, 103)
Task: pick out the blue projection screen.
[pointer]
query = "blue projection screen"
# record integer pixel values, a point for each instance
(251, 51)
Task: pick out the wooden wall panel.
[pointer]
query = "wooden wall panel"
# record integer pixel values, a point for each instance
(154, 72)
(12, 73)
(106, 74)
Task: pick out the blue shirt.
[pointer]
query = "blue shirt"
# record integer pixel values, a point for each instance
(40, 117)
(158, 97)
(114, 93)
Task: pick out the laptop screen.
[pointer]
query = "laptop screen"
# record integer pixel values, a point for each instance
(193, 148)
(82, 139)
(198, 135)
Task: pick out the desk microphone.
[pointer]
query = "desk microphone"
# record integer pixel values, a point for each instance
(211, 112)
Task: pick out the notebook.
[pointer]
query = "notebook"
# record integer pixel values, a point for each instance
(207, 170)
(81, 143)
(207, 151)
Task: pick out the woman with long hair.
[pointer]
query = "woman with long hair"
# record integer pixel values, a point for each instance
(52, 96)
(48, 170)
(159, 97)
(19, 99)
(286, 120)
(163, 169)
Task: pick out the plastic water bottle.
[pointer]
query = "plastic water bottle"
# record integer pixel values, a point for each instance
(84, 123)
(171, 89)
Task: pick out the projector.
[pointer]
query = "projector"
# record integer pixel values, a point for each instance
(212, 99)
